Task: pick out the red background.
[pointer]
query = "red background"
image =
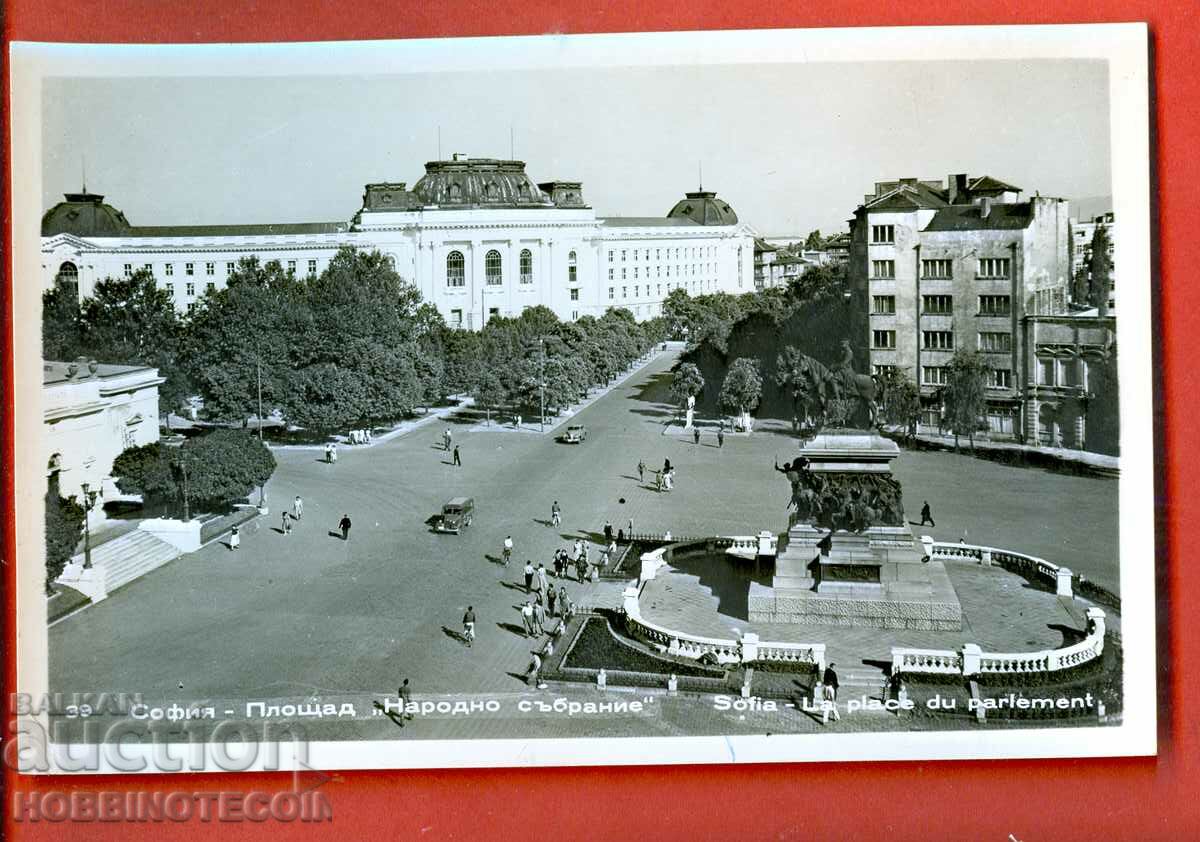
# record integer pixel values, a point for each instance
(1146, 798)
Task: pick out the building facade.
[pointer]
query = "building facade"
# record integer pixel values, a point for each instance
(92, 413)
(944, 268)
(477, 238)
(1082, 232)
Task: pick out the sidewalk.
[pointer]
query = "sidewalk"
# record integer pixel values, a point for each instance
(400, 429)
(1097, 463)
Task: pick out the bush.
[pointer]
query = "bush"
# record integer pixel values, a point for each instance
(64, 525)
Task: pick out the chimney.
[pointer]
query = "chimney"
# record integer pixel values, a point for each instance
(956, 187)
(985, 206)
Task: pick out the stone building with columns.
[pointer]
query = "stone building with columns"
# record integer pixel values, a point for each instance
(478, 237)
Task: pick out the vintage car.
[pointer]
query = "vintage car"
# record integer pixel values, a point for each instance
(574, 434)
(456, 515)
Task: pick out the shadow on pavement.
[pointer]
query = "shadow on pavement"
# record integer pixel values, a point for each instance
(512, 627)
(456, 635)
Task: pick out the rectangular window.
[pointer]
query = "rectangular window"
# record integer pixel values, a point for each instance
(1001, 342)
(937, 340)
(572, 275)
(624, 292)
(623, 273)
(574, 315)
(191, 308)
(228, 268)
(622, 255)
(312, 267)
(658, 254)
(883, 233)
(884, 305)
(149, 267)
(1070, 373)
(1000, 378)
(456, 318)
(939, 268)
(170, 269)
(610, 256)
(935, 375)
(1046, 370)
(883, 339)
(210, 268)
(658, 287)
(883, 370)
(994, 305)
(883, 268)
(189, 269)
(128, 270)
(993, 267)
(191, 288)
(611, 293)
(493, 311)
(291, 266)
(610, 273)
(939, 305)
(635, 271)
(210, 286)
(575, 294)
(170, 288)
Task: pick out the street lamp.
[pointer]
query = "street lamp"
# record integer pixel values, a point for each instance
(262, 492)
(542, 385)
(89, 502)
(183, 465)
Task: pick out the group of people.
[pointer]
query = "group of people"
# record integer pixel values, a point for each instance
(538, 608)
(331, 454)
(720, 434)
(360, 436)
(664, 480)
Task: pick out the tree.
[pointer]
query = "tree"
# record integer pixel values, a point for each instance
(742, 388)
(814, 241)
(1099, 269)
(488, 390)
(224, 465)
(64, 525)
(793, 372)
(819, 282)
(60, 324)
(687, 383)
(965, 393)
(146, 471)
(901, 399)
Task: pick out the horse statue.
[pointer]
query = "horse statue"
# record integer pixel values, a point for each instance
(820, 385)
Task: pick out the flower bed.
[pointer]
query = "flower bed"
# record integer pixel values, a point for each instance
(597, 647)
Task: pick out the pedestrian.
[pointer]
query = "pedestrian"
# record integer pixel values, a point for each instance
(457, 458)
(555, 514)
(611, 549)
(367, 433)
(557, 563)
(666, 466)
(720, 438)
(667, 535)
(539, 618)
(696, 435)
(519, 419)
(551, 601)
(508, 548)
(564, 603)
(543, 585)
(580, 568)
(329, 454)
(830, 682)
(527, 617)
(297, 507)
(528, 576)
(578, 548)
(608, 530)
(641, 470)
(469, 625)
(287, 523)
(534, 675)
(344, 525)
(235, 539)
(405, 695)
(658, 481)
(963, 539)
(796, 424)
(446, 440)
(629, 529)
(926, 515)
(333, 454)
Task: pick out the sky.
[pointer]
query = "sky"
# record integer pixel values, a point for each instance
(792, 147)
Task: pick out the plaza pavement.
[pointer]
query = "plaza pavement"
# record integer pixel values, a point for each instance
(308, 615)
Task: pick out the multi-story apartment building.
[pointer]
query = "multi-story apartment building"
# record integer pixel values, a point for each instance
(478, 237)
(943, 268)
(1082, 232)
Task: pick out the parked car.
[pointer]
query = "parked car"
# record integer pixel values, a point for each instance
(575, 434)
(457, 514)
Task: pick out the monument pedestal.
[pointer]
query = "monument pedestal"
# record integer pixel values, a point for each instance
(838, 569)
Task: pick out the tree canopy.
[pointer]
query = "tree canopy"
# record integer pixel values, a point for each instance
(743, 384)
(965, 393)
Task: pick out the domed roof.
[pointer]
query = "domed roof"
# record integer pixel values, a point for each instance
(479, 181)
(84, 215)
(704, 208)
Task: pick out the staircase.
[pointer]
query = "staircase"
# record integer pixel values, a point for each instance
(118, 562)
(856, 681)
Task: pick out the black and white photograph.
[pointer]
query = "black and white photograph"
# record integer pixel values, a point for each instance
(696, 397)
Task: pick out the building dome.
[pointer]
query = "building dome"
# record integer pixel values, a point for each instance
(486, 182)
(84, 215)
(704, 208)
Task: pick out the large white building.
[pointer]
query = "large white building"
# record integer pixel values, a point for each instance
(477, 236)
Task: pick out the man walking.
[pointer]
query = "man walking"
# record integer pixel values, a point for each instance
(830, 682)
(297, 507)
(551, 601)
(286, 526)
(457, 458)
(527, 617)
(608, 531)
(555, 515)
(641, 470)
(344, 525)
(543, 584)
(446, 440)
(528, 576)
(721, 438)
(534, 676)
(927, 515)
(508, 548)
(405, 700)
(539, 618)
(469, 625)
(696, 435)
(564, 603)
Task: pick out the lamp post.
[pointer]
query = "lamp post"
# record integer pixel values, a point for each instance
(542, 385)
(183, 465)
(262, 492)
(89, 502)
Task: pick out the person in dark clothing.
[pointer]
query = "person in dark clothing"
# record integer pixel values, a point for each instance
(830, 682)
(926, 515)
(457, 458)
(720, 438)
(666, 466)
(608, 531)
(696, 435)
(344, 525)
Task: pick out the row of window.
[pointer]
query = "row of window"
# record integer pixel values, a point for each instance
(680, 271)
(943, 340)
(688, 252)
(941, 305)
(210, 268)
(939, 375)
(493, 268)
(986, 268)
(1070, 372)
(658, 289)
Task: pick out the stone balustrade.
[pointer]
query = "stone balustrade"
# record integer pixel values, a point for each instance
(972, 661)
(1026, 565)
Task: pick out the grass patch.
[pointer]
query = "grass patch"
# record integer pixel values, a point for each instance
(597, 647)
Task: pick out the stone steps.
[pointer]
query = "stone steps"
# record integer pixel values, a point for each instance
(130, 556)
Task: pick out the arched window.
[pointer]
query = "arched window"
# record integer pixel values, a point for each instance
(524, 192)
(455, 269)
(455, 193)
(68, 277)
(492, 268)
(572, 271)
(739, 265)
(493, 191)
(526, 266)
